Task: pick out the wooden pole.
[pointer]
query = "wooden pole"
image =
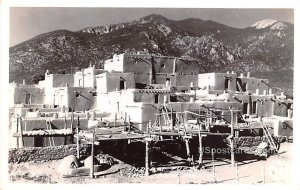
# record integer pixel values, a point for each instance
(232, 138)
(115, 120)
(65, 122)
(213, 165)
(78, 140)
(188, 153)
(72, 121)
(172, 127)
(237, 173)
(18, 132)
(129, 126)
(92, 154)
(21, 133)
(125, 121)
(263, 172)
(147, 159)
(200, 146)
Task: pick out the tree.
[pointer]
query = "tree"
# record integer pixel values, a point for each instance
(36, 78)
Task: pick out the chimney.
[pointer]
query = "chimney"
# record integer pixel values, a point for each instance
(227, 72)
(290, 113)
(270, 91)
(62, 109)
(24, 81)
(55, 116)
(167, 83)
(192, 84)
(192, 99)
(242, 75)
(265, 92)
(93, 115)
(281, 94)
(257, 91)
(248, 74)
(232, 72)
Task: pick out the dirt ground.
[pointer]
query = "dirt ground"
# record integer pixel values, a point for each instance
(277, 169)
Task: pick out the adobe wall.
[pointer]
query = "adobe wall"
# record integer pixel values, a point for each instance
(38, 154)
(84, 101)
(251, 84)
(19, 94)
(61, 80)
(108, 82)
(32, 124)
(160, 64)
(280, 109)
(185, 80)
(114, 64)
(48, 141)
(149, 98)
(220, 81)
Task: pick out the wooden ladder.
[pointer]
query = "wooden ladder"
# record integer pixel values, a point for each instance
(268, 136)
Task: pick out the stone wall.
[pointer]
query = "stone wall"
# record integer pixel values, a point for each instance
(35, 154)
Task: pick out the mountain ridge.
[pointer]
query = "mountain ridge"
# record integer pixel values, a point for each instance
(217, 46)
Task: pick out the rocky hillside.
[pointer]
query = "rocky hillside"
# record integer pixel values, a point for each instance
(262, 48)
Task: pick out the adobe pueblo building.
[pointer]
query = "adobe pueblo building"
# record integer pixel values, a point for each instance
(148, 98)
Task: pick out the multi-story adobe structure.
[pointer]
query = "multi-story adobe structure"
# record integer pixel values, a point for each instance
(141, 87)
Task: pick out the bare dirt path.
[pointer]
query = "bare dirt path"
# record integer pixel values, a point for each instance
(276, 169)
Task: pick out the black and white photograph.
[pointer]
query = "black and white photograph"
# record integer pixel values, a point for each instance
(149, 95)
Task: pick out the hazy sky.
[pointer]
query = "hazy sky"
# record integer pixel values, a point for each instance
(26, 23)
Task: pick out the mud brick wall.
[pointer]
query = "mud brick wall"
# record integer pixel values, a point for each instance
(38, 154)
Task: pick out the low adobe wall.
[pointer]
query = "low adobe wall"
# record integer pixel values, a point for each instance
(38, 154)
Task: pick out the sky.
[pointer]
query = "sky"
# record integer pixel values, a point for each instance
(27, 22)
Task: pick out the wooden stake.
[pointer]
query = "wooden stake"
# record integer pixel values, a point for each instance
(92, 154)
(78, 140)
(18, 132)
(232, 138)
(21, 132)
(214, 171)
(129, 126)
(147, 159)
(263, 172)
(188, 153)
(237, 173)
(65, 122)
(172, 127)
(125, 121)
(115, 120)
(72, 121)
(200, 146)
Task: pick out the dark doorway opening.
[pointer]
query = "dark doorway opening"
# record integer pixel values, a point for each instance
(226, 83)
(245, 107)
(122, 84)
(156, 98)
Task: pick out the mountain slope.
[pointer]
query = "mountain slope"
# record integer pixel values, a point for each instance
(265, 46)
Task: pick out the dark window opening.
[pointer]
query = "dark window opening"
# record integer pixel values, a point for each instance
(122, 84)
(173, 99)
(284, 126)
(140, 85)
(163, 65)
(245, 107)
(254, 107)
(38, 141)
(226, 83)
(156, 98)
(168, 80)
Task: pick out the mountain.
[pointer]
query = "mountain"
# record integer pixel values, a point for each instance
(262, 48)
